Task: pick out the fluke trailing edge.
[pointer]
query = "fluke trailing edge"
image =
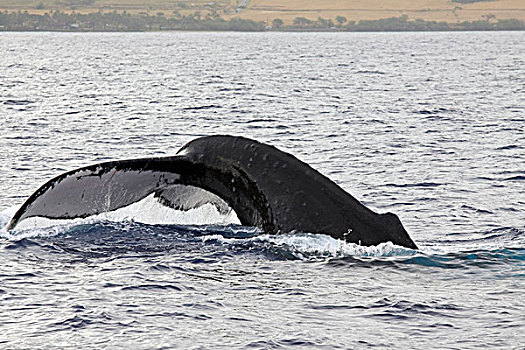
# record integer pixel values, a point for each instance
(265, 187)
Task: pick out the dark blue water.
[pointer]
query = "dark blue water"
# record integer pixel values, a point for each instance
(427, 125)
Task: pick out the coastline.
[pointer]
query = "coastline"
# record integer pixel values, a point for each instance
(124, 22)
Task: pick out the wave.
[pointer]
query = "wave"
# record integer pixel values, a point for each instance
(314, 247)
(98, 236)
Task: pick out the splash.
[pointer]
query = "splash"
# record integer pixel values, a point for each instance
(309, 246)
(147, 211)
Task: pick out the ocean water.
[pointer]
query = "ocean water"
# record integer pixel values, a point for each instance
(429, 126)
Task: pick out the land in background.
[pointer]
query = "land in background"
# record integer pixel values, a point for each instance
(262, 14)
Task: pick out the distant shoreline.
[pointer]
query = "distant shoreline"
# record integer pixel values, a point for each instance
(256, 31)
(125, 22)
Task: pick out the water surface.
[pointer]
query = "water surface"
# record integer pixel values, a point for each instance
(429, 126)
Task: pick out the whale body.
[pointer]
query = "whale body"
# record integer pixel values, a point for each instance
(266, 188)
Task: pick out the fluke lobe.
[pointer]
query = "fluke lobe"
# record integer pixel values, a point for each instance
(266, 187)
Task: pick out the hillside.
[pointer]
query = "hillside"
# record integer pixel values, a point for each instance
(451, 11)
(355, 10)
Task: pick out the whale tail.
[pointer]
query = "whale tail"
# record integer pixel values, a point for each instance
(265, 187)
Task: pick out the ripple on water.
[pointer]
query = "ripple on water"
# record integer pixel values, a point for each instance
(404, 121)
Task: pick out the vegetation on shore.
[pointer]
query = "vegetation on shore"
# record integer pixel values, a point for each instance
(114, 21)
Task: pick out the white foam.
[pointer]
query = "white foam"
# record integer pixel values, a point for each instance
(150, 211)
(319, 246)
(147, 211)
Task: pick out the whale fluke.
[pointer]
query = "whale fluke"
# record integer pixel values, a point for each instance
(266, 187)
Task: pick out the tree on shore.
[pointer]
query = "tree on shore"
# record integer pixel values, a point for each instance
(324, 23)
(277, 23)
(302, 22)
(340, 20)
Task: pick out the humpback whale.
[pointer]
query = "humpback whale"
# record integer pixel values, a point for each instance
(266, 187)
